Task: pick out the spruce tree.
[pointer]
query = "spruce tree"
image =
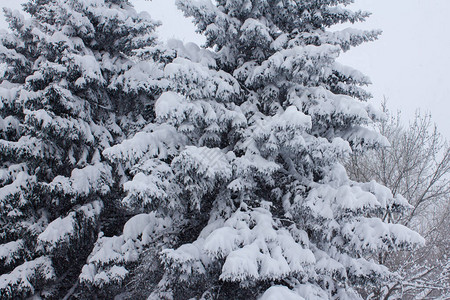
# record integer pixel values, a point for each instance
(238, 180)
(70, 89)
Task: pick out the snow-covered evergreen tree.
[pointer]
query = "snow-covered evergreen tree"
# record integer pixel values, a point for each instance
(274, 211)
(237, 182)
(69, 90)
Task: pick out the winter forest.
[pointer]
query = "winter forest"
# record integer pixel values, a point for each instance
(255, 166)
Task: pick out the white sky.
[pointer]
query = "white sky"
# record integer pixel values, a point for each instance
(409, 64)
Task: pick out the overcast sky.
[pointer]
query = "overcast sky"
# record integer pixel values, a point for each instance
(409, 64)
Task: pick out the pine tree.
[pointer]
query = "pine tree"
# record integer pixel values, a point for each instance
(287, 216)
(70, 89)
(237, 182)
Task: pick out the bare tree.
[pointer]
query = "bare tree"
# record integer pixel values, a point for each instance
(417, 166)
